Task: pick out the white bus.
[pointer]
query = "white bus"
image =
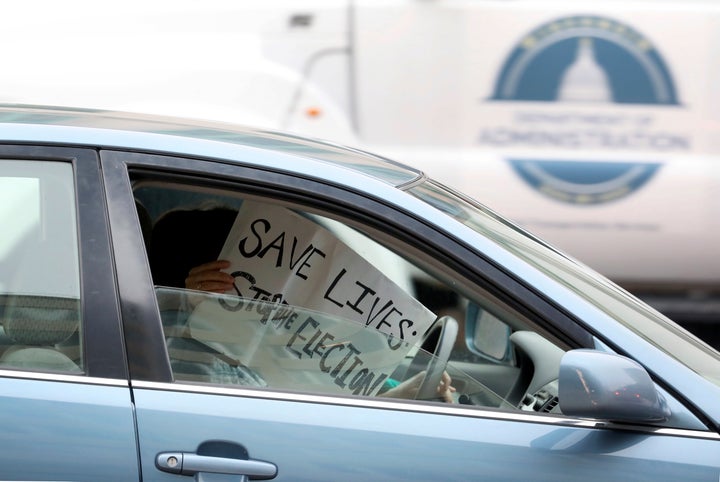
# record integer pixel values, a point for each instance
(595, 124)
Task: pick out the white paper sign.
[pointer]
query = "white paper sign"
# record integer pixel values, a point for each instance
(321, 315)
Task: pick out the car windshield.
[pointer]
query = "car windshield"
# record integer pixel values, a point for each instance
(596, 289)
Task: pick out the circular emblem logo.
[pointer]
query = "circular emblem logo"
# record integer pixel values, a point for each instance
(585, 58)
(584, 182)
(583, 61)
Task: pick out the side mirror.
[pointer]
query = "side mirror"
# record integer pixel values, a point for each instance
(599, 385)
(486, 335)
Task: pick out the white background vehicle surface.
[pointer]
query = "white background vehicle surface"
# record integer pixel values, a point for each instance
(592, 123)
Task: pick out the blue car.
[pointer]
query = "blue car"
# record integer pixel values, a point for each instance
(184, 300)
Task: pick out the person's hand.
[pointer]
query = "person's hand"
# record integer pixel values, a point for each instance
(409, 388)
(445, 390)
(209, 277)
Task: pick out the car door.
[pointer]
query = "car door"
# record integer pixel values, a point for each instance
(65, 406)
(330, 420)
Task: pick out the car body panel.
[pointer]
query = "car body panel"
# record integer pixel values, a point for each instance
(110, 129)
(326, 440)
(67, 428)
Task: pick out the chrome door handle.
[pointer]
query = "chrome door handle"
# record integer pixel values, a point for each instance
(188, 463)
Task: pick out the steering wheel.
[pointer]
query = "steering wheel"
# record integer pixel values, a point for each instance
(433, 356)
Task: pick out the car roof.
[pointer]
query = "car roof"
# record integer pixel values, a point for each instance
(101, 128)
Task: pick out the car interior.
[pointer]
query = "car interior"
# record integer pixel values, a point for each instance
(39, 307)
(491, 365)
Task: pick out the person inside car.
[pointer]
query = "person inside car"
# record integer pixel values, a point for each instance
(183, 253)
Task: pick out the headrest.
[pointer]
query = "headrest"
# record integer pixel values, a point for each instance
(184, 239)
(39, 359)
(40, 320)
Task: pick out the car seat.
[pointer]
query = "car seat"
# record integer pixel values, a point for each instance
(36, 324)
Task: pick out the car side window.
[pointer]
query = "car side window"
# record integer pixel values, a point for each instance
(40, 275)
(256, 294)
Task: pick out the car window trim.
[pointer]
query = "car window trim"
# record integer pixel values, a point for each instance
(323, 197)
(420, 407)
(305, 192)
(103, 351)
(147, 356)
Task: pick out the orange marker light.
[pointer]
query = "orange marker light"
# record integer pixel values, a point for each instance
(313, 112)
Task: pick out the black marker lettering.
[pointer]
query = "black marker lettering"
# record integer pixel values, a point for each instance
(243, 242)
(332, 287)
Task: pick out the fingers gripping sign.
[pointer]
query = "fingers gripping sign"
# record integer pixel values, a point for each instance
(210, 277)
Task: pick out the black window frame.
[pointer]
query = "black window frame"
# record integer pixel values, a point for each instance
(141, 317)
(102, 341)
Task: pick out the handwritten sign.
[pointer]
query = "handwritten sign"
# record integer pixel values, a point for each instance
(308, 311)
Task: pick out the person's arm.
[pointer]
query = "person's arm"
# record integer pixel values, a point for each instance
(409, 388)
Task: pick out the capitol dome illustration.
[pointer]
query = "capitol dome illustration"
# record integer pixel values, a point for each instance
(584, 80)
(585, 59)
